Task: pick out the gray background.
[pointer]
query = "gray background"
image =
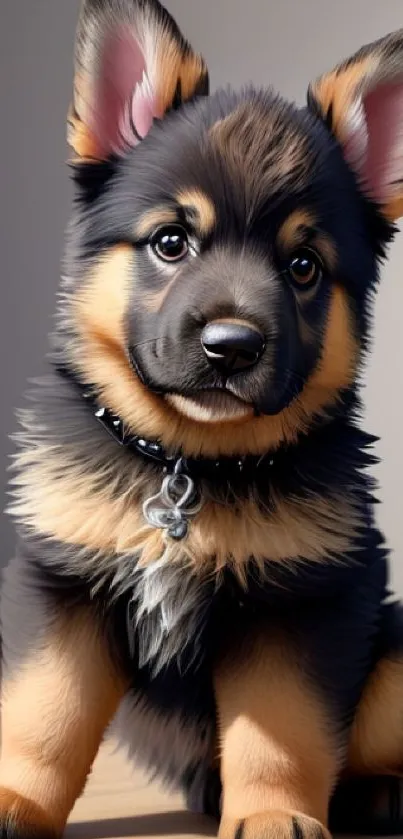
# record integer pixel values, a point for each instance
(282, 43)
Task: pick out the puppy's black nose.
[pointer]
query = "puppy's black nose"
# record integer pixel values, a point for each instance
(232, 347)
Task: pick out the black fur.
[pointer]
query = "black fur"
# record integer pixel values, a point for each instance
(334, 613)
(153, 173)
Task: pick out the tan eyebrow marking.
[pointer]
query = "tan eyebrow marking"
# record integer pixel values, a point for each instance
(198, 204)
(152, 219)
(293, 232)
(193, 202)
(293, 229)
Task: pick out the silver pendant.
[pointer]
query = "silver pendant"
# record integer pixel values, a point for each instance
(174, 506)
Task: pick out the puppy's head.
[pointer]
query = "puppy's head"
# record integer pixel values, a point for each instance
(224, 247)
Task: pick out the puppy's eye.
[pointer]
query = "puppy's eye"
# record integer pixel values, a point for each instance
(170, 243)
(305, 267)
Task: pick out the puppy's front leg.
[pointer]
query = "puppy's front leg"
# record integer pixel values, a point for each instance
(59, 692)
(279, 758)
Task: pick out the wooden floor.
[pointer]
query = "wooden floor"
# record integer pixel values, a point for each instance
(120, 803)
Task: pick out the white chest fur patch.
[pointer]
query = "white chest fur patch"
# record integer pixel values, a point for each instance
(166, 615)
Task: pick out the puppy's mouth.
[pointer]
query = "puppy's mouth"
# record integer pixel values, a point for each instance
(211, 406)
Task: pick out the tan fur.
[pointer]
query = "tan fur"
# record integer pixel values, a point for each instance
(376, 744)
(194, 201)
(339, 88)
(174, 66)
(22, 815)
(192, 71)
(337, 366)
(278, 752)
(153, 219)
(100, 307)
(101, 357)
(201, 206)
(172, 63)
(394, 209)
(81, 138)
(54, 713)
(57, 497)
(292, 230)
(275, 824)
(337, 92)
(292, 234)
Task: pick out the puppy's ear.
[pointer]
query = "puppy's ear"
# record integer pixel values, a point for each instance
(361, 101)
(132, 65)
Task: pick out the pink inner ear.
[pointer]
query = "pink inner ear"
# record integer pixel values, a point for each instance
(124, 105)
(384, 159)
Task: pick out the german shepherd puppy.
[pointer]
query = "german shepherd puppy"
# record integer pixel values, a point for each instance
(198, 563)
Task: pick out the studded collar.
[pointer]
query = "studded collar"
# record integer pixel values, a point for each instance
(154, 451)
(179, 498)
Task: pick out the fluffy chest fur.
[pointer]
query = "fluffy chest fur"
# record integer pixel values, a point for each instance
(295, 525)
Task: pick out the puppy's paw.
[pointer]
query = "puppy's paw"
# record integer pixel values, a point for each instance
(21, 818)
(275, 824)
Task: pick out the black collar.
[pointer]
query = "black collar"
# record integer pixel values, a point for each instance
(223, 468)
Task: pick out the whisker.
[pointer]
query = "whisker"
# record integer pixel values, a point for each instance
(203, 378)
(143, 343)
